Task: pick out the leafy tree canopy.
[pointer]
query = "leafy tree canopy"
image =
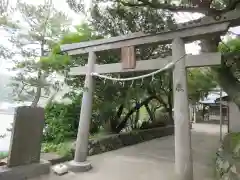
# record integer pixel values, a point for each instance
(44, 25)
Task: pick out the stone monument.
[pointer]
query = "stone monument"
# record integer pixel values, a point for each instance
(25, 148)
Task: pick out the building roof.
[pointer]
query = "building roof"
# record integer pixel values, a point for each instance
(224, 98)
(212, 97)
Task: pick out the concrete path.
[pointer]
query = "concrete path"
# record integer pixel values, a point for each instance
(152, 160)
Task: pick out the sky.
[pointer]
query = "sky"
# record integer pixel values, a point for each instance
(77, 18)
(58, 4)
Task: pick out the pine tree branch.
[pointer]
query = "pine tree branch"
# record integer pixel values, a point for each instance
(184, 8)
(172, 7)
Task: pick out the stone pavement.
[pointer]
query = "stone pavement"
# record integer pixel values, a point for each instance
(152, 160)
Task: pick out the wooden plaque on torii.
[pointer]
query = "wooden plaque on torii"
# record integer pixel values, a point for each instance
(128, 57)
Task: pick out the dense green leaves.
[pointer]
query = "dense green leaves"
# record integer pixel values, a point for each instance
(200, 82)
(228, 74)
(231, 49)
(61, 121)
(232, 45)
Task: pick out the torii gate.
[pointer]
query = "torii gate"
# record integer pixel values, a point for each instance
(199, 29)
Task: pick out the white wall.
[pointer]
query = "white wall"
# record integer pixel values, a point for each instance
(234, 117)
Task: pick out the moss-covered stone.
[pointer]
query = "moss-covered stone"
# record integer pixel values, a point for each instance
(227, 165)
(116, 141)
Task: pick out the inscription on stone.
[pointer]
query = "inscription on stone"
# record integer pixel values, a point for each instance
(179, 88)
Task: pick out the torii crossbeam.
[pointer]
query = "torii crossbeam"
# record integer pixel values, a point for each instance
(184, 33)
(206, 59)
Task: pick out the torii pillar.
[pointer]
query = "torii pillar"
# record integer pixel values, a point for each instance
(183, 154)
(80, 163)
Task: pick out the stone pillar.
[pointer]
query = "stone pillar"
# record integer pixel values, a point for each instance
(26, 137)
(191, 112)
(221, 116)
(79, 164)
(195, 113)
(183, 156)
(24, 154)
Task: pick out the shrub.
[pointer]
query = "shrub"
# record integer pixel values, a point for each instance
(63, 149)
(61, 121)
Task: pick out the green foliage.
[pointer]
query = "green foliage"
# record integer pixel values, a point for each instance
(34, 68)
(235, 140)
(233, 45)
(84, 32)
(228, 74)
(3, 155)
(63, 149)
(61, 122)
(55, 63)
(200, 82)
(112, 21)
(62, 119)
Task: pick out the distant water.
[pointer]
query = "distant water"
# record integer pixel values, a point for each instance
(5, 123)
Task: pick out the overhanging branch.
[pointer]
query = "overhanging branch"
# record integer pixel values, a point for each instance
(171, 7)
(204, 9)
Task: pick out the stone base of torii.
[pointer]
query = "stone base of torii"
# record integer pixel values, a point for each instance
(206, 28)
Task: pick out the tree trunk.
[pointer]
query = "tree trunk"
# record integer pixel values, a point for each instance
(226, 79)
(151, 115)
(39, 79)
(38, 91)
(229, 83)
(170, 98)
(114, 122)
(134, 109)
